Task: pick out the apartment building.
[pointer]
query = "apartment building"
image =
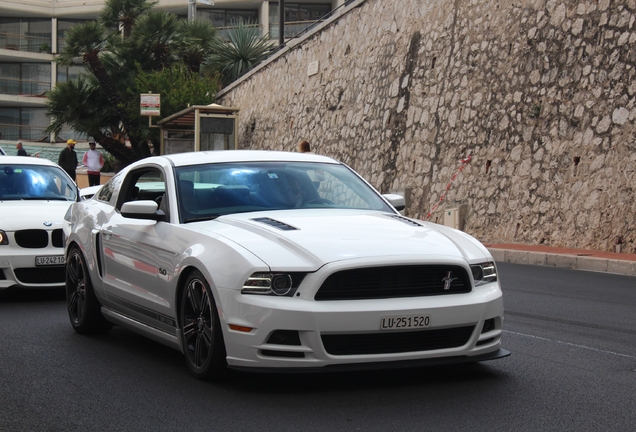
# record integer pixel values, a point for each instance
(32, 33)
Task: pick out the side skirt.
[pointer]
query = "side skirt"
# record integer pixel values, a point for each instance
(157, 335)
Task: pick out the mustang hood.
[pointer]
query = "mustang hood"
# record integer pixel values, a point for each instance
(30, 214)
(307, 239)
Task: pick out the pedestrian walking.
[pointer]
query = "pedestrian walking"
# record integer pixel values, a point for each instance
(21, 150)
(68, 158)
(93, 161)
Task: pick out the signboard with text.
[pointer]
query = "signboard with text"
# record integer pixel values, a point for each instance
(150, 104)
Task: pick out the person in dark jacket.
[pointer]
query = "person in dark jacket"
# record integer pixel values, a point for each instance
(21, 150)
(68, 158)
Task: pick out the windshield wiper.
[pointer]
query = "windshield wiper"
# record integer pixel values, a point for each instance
(203, 218)
(44, 199)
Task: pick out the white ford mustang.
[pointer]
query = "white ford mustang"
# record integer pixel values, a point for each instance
(279, 261)
(34, 196)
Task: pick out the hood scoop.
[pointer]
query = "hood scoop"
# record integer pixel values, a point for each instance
(276, 224)
(406, 220)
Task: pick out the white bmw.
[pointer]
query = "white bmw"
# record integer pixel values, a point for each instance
(279, 261)
(34, 196)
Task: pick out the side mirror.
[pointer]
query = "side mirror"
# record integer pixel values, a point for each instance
(397, 201)
(145, 209)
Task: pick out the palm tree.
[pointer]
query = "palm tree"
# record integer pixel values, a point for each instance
(125, 13)
(155, 37)
(82, 105)
(196, 42)
(87, 42)
(245, 49)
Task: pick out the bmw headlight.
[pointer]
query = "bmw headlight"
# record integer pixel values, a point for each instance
(4, 240)
(484, 273)
(278, 284)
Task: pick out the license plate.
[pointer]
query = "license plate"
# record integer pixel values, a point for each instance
(49, 260)
(405, 322)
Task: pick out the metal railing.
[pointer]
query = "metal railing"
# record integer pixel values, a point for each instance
(224, 32)
(292, 28)
(13, 132)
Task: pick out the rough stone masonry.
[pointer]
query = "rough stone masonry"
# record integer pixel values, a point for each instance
(541, 94)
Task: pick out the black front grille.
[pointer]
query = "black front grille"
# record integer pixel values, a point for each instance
(32, 238)
(37, 275)
(57, 238)
(394, 282)
(396, 342)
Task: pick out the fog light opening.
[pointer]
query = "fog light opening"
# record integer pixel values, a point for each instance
(489, 325)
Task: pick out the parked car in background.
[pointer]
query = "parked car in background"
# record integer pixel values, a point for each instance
(35, 194)
(279, 261)
(88, 192)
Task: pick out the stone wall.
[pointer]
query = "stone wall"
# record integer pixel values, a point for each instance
(539, 93)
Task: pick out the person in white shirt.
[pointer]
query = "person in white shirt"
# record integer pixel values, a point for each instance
(94, 161)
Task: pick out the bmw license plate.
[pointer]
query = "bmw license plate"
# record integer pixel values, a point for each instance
(405, 322)
(50, 260)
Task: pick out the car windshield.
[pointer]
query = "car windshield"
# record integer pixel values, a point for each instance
(208, 191)
(35, 182)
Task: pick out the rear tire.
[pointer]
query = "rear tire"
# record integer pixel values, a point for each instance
(200, 330)
(83, 307)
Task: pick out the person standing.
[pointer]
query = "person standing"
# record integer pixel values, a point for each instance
(68, 158)
(93, 161)
(21, 150)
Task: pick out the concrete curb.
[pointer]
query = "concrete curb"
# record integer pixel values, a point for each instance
(577, 262)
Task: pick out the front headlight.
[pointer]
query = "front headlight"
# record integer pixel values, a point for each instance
(484, 273)
(278, 284)
(4, 240)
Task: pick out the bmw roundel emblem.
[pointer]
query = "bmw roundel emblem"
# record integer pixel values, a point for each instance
(48, 224)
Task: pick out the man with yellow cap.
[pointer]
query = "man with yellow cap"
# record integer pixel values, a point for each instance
(68, 158)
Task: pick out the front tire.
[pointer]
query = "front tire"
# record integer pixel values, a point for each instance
(83, 307)
(200, 330)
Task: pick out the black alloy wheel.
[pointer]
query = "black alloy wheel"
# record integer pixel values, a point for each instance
(83, 307)
(200, 328)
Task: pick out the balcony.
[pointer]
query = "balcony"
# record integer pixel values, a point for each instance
(25, 42)
(15, 87)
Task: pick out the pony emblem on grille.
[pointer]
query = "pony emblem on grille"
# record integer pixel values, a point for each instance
(448, 280)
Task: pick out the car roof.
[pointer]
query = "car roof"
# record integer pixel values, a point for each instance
(196, 158)
(22, 160)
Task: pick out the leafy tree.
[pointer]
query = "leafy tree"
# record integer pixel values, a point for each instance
(244, 49)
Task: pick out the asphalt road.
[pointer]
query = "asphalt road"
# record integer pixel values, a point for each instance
(573, 368)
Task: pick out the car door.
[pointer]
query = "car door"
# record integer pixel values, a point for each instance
(139, 260)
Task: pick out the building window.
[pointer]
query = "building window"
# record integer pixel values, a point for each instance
(298, 17)
(226, 19)
(26, 124)
(69, 73)
(62, 26)
(33, 35)
(32, 79)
